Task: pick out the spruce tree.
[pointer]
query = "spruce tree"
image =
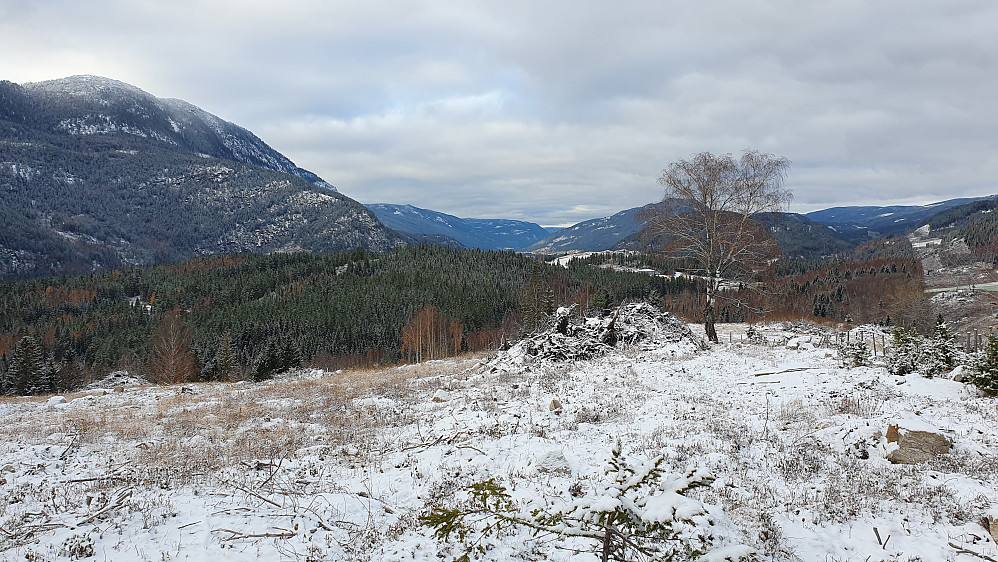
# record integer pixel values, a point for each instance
(904, 355)
(984, 373)
(27, 366)
(940, 352)
(226, 367)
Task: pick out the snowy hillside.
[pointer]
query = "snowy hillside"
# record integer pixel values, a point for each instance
(341, 466)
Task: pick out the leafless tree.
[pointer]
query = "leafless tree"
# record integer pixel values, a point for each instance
(170, 358)
(707, 215)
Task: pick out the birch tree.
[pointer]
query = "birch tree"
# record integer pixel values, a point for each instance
(707, 215)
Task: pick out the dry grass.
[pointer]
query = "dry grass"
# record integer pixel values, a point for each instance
(192, 431)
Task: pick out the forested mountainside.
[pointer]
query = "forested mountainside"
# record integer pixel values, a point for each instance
(593, 235)
(876, 221)
(483, 234)
(974, 223)
(97, 174)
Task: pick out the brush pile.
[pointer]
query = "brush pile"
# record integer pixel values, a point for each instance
(633, 326)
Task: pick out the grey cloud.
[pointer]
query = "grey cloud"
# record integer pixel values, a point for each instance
(560, 111)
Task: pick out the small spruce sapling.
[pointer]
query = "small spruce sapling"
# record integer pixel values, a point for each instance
(984, 371)
(940, 353)
(854, 354)
(638, 512)
(903, 357)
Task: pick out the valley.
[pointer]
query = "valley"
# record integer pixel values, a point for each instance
(208, 352)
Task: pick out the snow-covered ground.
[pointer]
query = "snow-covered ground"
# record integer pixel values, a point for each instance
(339, 466)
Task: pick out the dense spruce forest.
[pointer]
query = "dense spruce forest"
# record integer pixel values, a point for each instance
(250, 316)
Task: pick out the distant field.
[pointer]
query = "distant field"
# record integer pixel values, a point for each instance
(993, 287)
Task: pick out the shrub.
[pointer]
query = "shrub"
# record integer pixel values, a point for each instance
(855, 354)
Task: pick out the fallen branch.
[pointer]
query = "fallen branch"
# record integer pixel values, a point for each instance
(256, 495)
(32, 529)
(470, 447)
(424, 445)
(111, 505)
(237, 535)
(961, 550)
(794, 370)
(69, 448)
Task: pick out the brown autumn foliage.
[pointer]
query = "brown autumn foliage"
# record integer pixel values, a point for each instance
(882, 290)
(171, 360)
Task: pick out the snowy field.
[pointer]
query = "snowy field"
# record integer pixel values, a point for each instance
(340, 466)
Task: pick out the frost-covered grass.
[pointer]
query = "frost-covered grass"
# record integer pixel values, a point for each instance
(324, 466)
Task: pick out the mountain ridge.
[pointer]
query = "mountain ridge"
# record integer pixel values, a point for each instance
(97, 174)
(485, 234)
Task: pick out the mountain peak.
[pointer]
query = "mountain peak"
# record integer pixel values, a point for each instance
(96, 105)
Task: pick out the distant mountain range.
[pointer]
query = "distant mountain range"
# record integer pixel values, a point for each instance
(485, 234)
(875, 222)
(96, 173)
(592, 235)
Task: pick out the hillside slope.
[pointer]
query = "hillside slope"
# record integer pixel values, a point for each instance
(342, 466)
(877, 221)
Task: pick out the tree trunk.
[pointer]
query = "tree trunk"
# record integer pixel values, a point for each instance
(708, 323)
(607, 545)
(709, 314)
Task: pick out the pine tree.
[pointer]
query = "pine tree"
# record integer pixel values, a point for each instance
(636, 512)
(854, 354)
(532, 302)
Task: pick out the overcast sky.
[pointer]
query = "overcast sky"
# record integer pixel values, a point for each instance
(559, 111)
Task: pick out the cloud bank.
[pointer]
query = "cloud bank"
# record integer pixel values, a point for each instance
(558, 111)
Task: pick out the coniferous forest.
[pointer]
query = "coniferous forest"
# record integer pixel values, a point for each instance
(250, 316)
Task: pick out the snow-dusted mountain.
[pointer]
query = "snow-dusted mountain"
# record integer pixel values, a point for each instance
(94, 105)
(593, 235)
(485, 234)
(796, 235)
(876, 221)
(96, 174)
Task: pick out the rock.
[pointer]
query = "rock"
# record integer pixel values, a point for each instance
(552, 461)
(990, 524)
(959, 374)
(55, 401)
(555, 406)
(915, 445)
(441, 395)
